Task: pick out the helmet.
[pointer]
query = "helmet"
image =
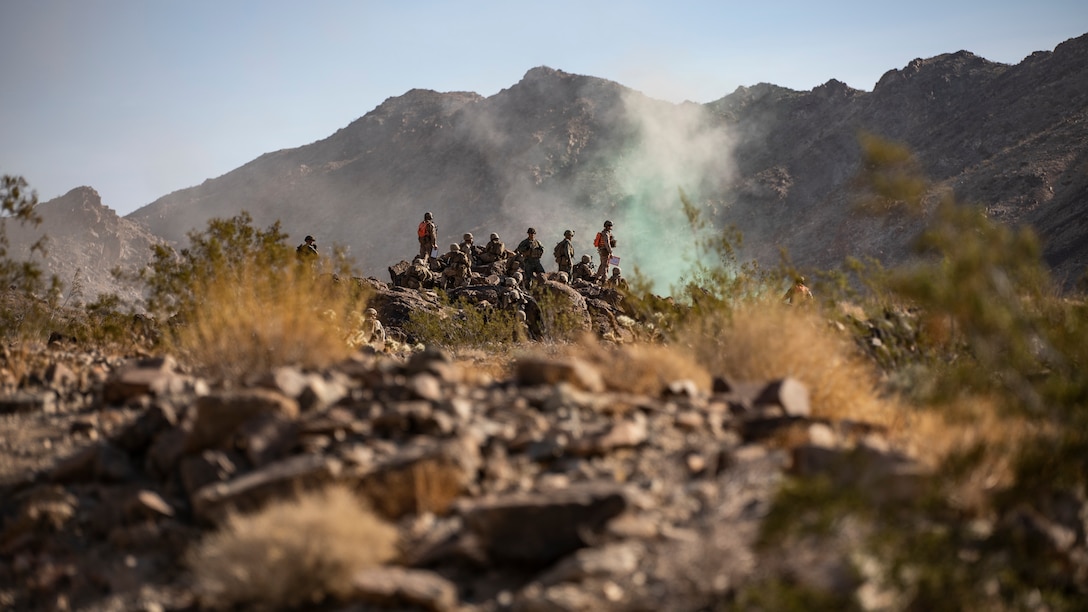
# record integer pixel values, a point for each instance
(530, 231)
(586, 259)
(509, 282)
(615, 271)
(468, 236)
(568, 234)
(427, 216)
(608, 224)
(309, 238)
(494, 236)
(370, 312)
(454, 247)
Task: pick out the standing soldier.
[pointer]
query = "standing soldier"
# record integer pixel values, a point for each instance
(564, 253)
(530, 251)
(428, 236)
(798, 293)
(604, 242)
(469, 248)
(307, 250)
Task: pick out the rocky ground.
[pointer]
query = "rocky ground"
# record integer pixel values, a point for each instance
(540, 488)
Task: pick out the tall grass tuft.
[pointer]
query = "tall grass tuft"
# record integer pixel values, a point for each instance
(761, 340)
(291, 553)
(240, 301)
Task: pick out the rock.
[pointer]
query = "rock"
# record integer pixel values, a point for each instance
(400, 587)
(216, 417)
(101, 462)
(420, 480)
(249, 492)
(530, 371)
(28, 401)
(535, 529)
(789, 393)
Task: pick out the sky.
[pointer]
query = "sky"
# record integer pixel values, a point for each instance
(140, 98)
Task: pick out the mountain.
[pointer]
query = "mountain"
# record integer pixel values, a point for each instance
(562, 151)
(85, 241)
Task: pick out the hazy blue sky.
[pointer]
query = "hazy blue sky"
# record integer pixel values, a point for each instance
(139, 98)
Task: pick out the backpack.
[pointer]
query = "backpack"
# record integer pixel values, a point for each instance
(559, 251)
(422, 229)
(598, 240)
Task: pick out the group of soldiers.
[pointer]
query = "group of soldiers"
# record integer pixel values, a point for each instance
(455, 268)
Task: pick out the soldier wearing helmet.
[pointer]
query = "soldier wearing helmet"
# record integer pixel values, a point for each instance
(469, 248)
(456, 270)
(564, 253)
(428, 235)
(530, 251)
(604, 242)
(798, 293)
(493, 251)
(583, 270)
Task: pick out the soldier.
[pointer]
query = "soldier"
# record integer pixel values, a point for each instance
(493, 251)
(419, 275)
(469, 248)
(368, 331)
(457, 267)
(616, 281)
(307, 251)
(428, 236)
(564, 253)
(583, 270)
(530, 250)
(604, 242)
(798, 293)
(511, 295)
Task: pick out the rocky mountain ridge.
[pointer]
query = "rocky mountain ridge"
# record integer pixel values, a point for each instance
(558, 150)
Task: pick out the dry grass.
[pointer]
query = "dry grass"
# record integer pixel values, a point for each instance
(291, 553)
(766, 341)
(641, 368)
(283, 317)
(933, 436)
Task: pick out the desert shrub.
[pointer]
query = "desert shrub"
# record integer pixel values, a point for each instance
(291, 553)
(239, 301)
(645, 368)
(764, 340)
(462, 324)
(1002, 420)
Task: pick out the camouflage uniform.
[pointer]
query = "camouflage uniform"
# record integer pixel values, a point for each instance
(564, 253)
(369, 330)
(493, 251)
(616, 281)
(428, 242)
(604, 250)
(307, 251)
(419, 275)
(456, 269)
(798, 293)
(583, 270)
(469, 248)
(530, 251)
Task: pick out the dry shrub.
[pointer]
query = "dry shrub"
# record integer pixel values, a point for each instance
(289, 316)
(291, 552)
(640, 368)
(757, 342)
(933, 436)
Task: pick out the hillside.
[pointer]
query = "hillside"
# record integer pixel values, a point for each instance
(85, 241)
(559, 150)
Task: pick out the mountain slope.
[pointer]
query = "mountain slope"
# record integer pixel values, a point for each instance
(559, 151)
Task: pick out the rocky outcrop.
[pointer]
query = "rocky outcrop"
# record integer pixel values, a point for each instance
(85, 241)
